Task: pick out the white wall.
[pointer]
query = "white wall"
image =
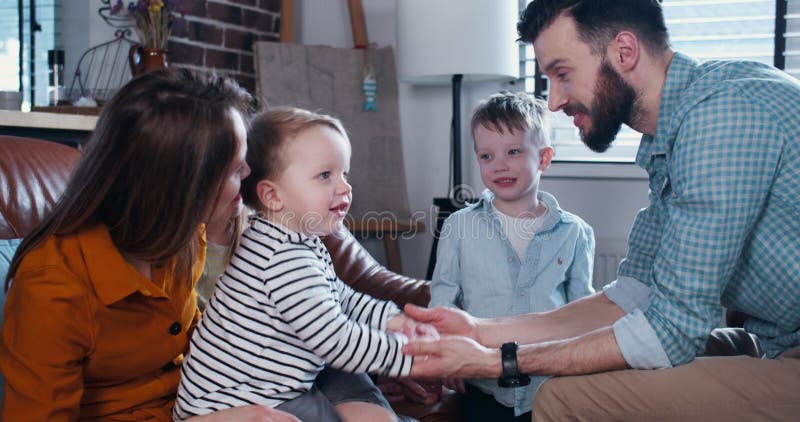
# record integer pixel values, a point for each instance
(606, 202)
(78, 28)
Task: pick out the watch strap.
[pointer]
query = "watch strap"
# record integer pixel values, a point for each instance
(511, 376)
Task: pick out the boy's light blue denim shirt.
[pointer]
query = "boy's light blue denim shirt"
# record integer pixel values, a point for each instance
(478, 271)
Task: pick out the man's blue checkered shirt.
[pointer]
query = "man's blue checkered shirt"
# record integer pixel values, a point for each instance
(723, 224)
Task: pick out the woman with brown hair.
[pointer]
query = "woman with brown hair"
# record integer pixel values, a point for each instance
(102, 302)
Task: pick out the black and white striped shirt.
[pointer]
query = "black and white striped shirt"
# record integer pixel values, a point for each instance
(278, 315)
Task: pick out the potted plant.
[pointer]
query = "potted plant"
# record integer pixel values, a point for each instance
(152, 21)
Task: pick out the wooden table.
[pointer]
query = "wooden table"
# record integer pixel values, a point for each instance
(389, 231)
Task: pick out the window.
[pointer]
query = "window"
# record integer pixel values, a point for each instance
(23, 58)
(9, 46)
(705, 30)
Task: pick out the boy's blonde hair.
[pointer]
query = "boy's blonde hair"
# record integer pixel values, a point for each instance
(266, 143)
(514, 111)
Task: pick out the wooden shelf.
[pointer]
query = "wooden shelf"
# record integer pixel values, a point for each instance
(389, 231)
(40, 120)
(384, 226)
(68, 109)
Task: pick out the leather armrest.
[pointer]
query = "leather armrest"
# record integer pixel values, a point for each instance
(356, 267)
(33, 174)
(734, 318)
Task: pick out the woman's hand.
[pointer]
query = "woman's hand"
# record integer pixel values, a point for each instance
(398, 389)
(455, 384)
(254, 413)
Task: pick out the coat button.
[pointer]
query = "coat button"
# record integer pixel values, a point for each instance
(175, 328)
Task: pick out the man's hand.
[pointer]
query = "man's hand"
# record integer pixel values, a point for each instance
(445, 320)
(453, 356)
(255, 413)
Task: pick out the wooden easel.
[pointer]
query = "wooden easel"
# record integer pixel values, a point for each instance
(388, 231)
(357, 23)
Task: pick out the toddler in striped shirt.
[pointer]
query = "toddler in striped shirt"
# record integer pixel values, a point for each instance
(281, 329)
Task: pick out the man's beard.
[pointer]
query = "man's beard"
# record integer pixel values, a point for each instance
(612, 105)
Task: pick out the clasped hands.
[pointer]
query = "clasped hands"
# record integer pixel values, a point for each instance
(444, 343)
(415, 390)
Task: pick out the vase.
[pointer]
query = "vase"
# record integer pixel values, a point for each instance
(143, 60)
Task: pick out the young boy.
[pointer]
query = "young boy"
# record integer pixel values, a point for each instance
(281, 329)
(514, 251)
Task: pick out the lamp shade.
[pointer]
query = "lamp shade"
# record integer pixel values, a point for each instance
(437, 39)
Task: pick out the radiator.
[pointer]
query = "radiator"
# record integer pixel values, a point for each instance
(607, 255)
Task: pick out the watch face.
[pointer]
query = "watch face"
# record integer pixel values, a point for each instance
(514, 381)
(508, 347)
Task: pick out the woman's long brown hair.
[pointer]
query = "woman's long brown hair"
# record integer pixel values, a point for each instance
(153, 169)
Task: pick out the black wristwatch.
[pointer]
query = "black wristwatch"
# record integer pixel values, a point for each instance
(511, 376)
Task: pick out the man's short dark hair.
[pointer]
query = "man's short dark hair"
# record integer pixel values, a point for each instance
(599, 21)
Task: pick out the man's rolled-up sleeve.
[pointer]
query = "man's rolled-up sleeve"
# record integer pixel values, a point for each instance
(635, 337)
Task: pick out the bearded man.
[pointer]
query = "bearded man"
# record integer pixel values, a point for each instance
(720, 146)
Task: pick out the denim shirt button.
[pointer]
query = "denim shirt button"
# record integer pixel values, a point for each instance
(510, 259)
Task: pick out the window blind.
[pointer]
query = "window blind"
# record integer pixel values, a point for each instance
(792, 36)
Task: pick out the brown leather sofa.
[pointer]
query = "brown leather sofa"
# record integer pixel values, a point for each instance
(34, 173)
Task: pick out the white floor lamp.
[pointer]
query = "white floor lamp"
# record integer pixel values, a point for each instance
(450, 41)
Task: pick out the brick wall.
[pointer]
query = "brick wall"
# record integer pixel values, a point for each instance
(219, 35)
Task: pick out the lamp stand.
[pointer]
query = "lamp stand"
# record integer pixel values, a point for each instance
(454, 200)
(456, 130)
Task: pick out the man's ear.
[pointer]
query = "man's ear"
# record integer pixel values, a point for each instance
(624, 51)
(545, 158)
(269, 195)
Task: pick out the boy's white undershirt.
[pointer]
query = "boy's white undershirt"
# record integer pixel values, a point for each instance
(520, 231)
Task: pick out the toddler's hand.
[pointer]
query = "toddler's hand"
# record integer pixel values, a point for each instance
(412, 329)
(420, 330)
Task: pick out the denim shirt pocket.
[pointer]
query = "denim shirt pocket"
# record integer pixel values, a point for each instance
(546, 279)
